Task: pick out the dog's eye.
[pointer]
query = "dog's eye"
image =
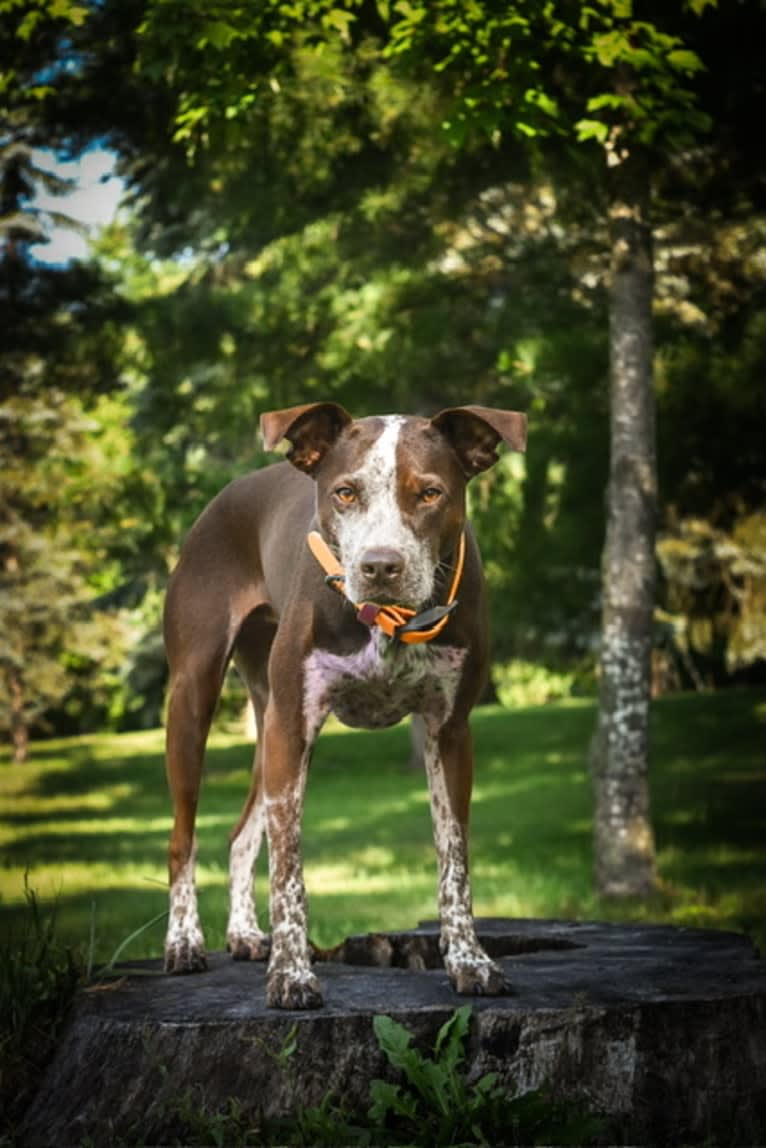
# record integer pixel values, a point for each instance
(345, 495)
(430, 495)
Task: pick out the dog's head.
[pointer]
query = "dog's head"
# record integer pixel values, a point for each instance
(391, 490)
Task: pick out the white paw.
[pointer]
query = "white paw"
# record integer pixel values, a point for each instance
(185, 951)
(293, 987)
(250, 945)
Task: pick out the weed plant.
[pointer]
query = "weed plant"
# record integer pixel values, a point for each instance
(434, 1104)
(38, 979)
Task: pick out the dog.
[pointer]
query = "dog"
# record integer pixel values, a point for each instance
(344, 580)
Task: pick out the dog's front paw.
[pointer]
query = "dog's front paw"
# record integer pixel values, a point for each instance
(185, 955)
(250, 946)
(296, 988)
(478, 977)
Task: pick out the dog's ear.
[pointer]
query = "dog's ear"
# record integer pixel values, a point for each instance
(474, 433)
(311, 430)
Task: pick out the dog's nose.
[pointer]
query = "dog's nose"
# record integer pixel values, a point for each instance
(381, 566)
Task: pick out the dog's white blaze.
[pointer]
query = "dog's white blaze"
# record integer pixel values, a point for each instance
(184, 928)
(243, 921)
(378, 522)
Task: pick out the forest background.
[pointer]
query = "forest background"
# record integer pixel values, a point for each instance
(305, 217)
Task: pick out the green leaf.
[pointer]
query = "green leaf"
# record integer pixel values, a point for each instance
(487, 1084)
(591, 130)
(542, 100)
(393, 1038)
(610, 47)
(388, 1098)
(27, 26)
(685, 60)
(218, 34)
(410, 12)
(451, 1035)
(75, 13)
(607, 100)
(586, 14)
(340, 20)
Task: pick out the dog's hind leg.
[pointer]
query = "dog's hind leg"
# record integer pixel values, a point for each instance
(193, 696)
(198, 644)
(245, 940)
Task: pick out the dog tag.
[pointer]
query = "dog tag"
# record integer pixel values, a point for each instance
(367, 613)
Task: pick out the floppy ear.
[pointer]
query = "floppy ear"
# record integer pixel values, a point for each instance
(474, 432)
(311, 429)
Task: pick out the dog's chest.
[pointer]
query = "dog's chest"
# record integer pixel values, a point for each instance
(380, 684)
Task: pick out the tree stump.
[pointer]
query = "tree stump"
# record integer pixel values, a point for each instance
(663, 1030)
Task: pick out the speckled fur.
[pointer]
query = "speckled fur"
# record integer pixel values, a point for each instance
(184, 943)
(380, 684)
(468, 966)
(245, 940)
(291, 983)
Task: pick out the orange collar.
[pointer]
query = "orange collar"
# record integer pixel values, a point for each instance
(397, 622)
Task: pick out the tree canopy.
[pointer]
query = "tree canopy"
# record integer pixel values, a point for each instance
(399, 206)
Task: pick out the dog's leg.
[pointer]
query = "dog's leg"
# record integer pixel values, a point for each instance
(245, 940)
(449, 766)
(193, 695)
(291, 983)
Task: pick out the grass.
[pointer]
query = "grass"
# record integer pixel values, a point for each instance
(88, 818)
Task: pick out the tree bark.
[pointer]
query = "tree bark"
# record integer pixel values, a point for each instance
(624, 856)
(19, 727)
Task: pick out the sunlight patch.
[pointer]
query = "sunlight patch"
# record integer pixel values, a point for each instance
(62, 802)
(343, 878)
(49, 882)
(334, 824)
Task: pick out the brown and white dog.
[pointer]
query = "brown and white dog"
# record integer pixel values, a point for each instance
(387, 498)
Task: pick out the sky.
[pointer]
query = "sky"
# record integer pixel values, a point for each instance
(93, 201)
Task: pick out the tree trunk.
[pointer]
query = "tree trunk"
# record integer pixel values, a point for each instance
(624, 859)
(19, 727)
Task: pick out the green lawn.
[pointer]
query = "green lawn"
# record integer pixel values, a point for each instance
(88, 818)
